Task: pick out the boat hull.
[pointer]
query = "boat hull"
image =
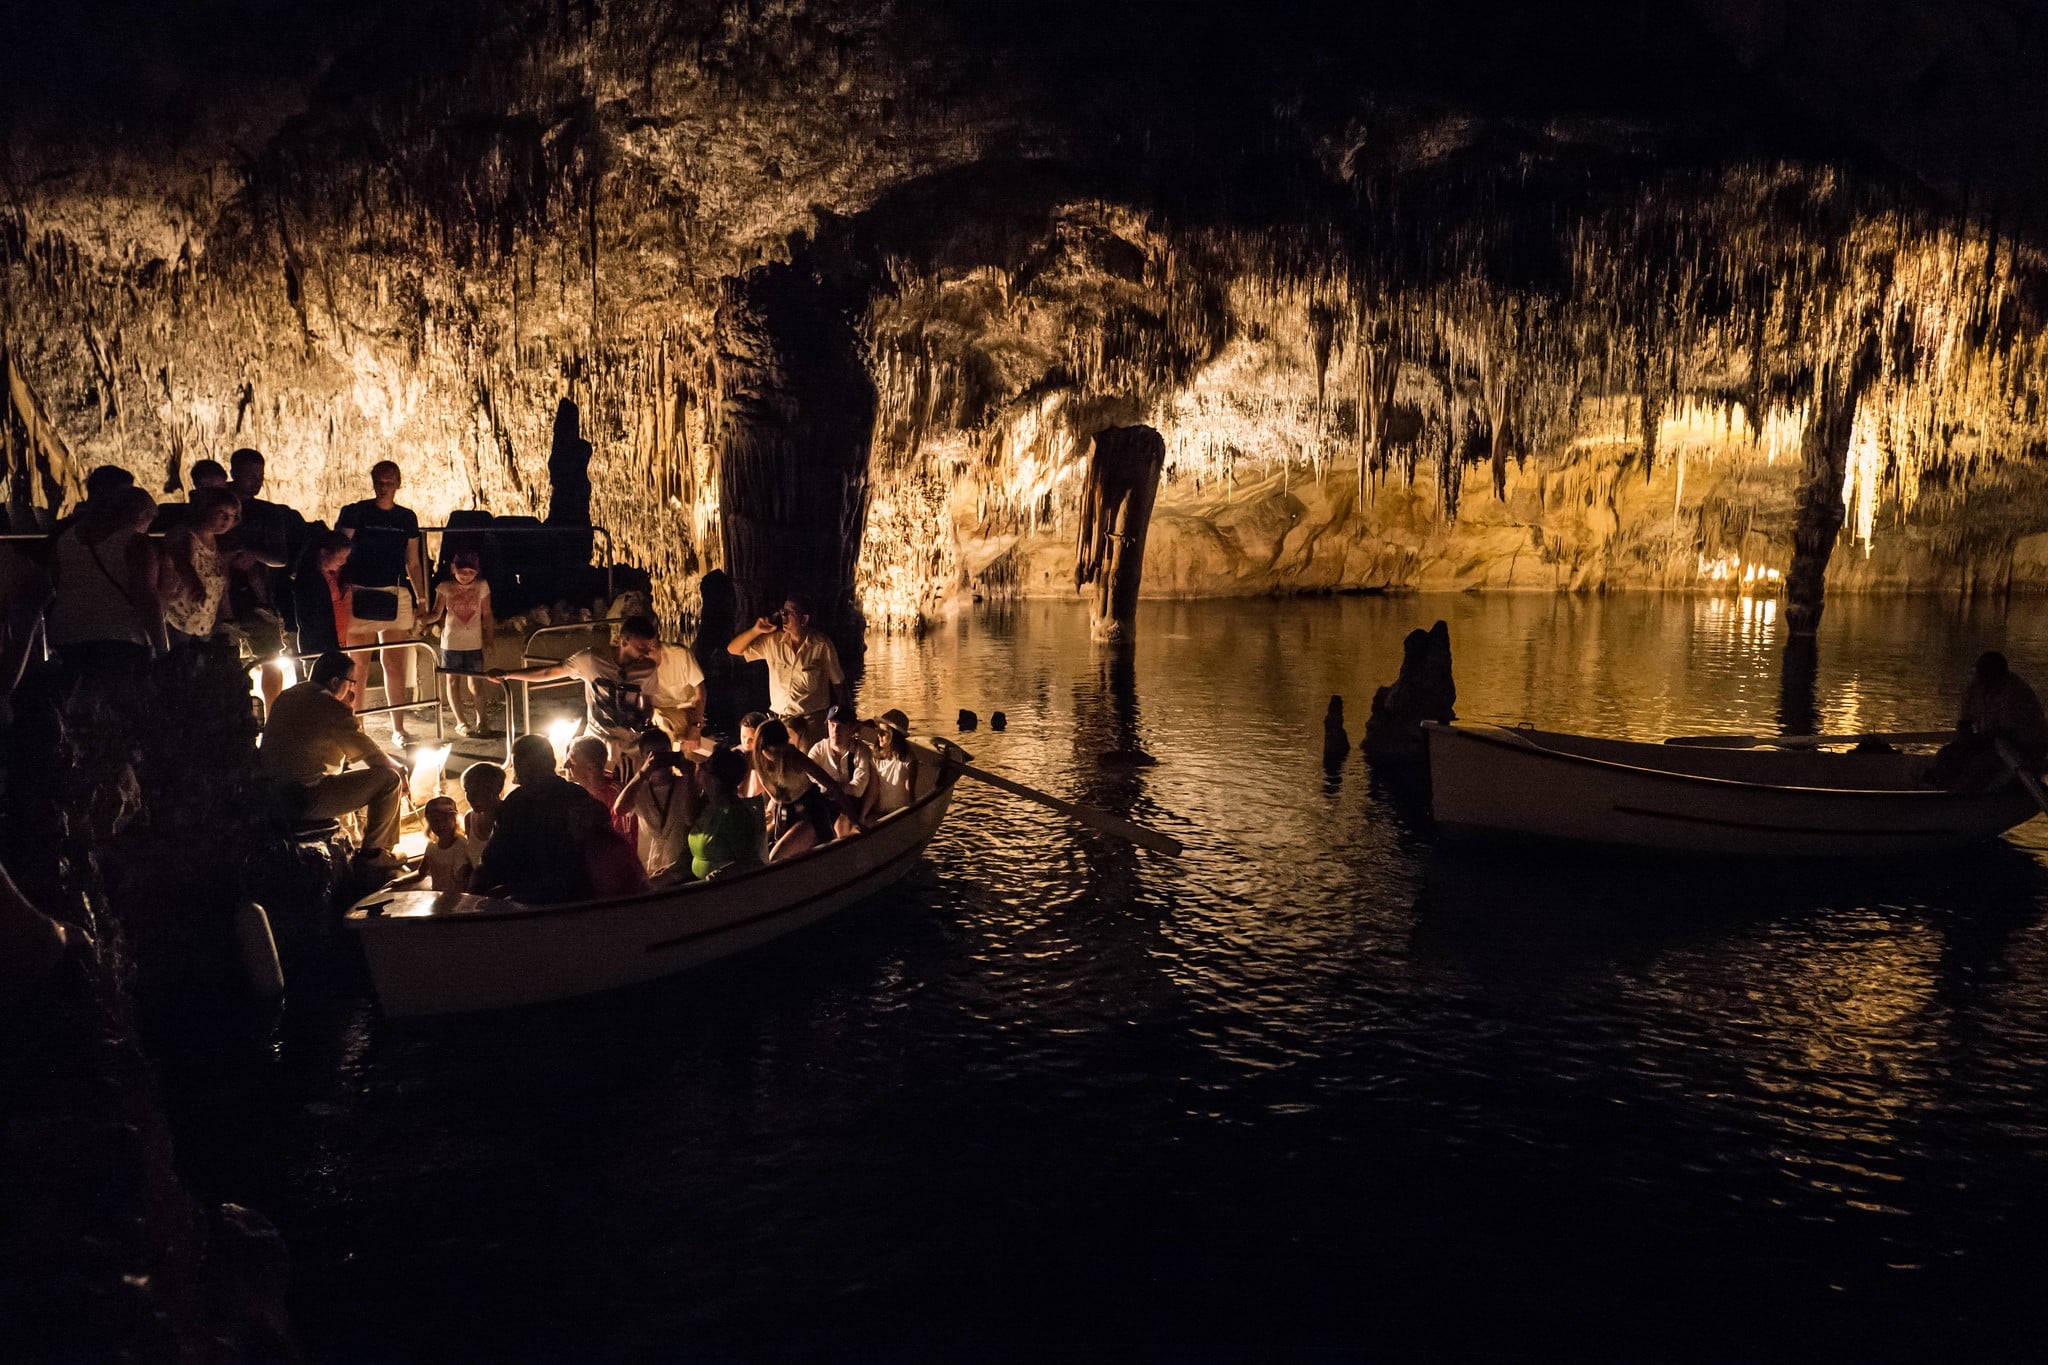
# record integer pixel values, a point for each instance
(436, 954)
(1489, 783)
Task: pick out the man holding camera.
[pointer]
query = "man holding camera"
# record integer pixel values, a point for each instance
(804, 676)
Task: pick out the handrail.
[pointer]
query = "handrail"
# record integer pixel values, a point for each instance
(433, 658)
(526, 659)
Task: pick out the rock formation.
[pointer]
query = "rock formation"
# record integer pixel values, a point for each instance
(1423, 691)
(1116, 507)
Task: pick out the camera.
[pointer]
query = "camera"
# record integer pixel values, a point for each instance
(778, 618)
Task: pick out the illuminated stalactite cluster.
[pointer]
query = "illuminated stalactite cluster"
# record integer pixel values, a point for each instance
(1438, 346)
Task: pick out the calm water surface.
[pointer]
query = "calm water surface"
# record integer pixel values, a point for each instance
(1310, 1092)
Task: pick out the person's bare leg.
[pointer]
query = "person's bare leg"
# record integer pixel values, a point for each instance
(799, 837)
(397, 679)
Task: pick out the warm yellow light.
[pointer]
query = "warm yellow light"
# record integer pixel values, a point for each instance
(561, 734)
(428, 763)
(411, 846)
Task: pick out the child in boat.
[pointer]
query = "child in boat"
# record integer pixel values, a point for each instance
(463, 609)
(586, 768)
(750, 726)
(727, 833)
(483, 786)
(661, 800)
(451, 858)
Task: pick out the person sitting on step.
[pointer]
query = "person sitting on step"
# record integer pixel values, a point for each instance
(311, 737)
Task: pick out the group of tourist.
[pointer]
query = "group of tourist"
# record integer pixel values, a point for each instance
(128, 578)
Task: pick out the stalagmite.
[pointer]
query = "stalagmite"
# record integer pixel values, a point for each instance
(1824, 451)
(1116, 509)
(796, 418)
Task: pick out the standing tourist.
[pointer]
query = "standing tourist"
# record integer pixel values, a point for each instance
(267, 539)
(389, 577)
(804, 676)
(462, 606)
(194, 580)
(309, 740)
(320, 593)
(629, 684)
(108, 617)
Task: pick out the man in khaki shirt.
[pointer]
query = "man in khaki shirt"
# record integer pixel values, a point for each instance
(804, 676)
(313, 735)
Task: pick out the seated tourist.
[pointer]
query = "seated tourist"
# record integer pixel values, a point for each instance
(312, 735)
(845, 755)
(193, 581)
(899, 779)
(545, 828)
(108, 617)
(803, 798)
(1998, 708)
(586, 767)
(750, 726)
(451, 857)
(804, 676)
(629, 685)
(727, 834)
(660, 801)
(483, 786)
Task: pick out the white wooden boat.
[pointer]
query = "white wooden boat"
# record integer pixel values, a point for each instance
(1496, 782)
(446, 953)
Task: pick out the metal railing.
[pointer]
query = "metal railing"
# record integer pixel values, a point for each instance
(299, 661)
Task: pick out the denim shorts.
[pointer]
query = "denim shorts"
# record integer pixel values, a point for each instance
(462, 661)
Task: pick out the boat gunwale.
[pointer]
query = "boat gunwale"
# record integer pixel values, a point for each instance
(489, 909)
(1512, 737)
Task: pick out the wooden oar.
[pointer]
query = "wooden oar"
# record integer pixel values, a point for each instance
(1092, 816)
(1811, 741)
(2027, 779)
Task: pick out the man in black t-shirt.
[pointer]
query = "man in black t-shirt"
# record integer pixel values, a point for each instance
(262, 546)
(388, 574)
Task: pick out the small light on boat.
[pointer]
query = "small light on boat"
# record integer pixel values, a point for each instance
(560, 734)
(428, 763)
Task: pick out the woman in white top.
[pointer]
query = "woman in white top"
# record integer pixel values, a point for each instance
(896, 776)
(194, 577)
(108, 617)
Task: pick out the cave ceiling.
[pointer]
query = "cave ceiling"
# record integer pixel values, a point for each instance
(346, 231)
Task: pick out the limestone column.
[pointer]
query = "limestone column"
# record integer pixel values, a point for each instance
(1824, 457)
(1116, 509)
(796, 418)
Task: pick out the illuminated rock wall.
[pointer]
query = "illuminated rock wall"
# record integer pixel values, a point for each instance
(1387, 344)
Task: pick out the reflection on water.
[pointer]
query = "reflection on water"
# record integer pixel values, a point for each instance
(1307, 1088)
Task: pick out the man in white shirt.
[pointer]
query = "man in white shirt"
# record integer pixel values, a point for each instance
(848, 758)
(637, 680)
(804, 676)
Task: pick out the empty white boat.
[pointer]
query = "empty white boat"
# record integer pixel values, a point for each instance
(1497, 782)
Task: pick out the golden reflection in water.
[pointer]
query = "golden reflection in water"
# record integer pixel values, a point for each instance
(1844, 1047)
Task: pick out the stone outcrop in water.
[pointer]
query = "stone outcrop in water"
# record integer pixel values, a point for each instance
(1424, 691)
(1116, 508)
